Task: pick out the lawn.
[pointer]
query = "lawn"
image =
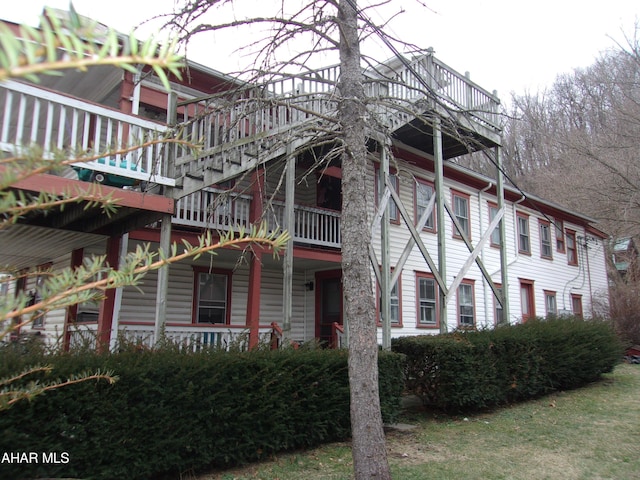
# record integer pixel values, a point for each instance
(590, 433)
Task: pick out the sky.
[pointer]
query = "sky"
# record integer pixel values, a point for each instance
(505, 45)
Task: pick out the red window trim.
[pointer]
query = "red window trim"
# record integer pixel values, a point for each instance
(578, 297)
(491, 205)
(392, 171)
(526, 217)
(571, 234)
(547, 223)
(550, 293)
(415, 205)
(472, 284)
(194, 296)
(467, 197)
(430, 276)
(393, 325)
(532, 300)
(560, 223)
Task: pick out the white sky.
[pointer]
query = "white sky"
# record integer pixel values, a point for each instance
(506, 45)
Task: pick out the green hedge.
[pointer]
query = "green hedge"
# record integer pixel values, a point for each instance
(473, 370)
(171, 412)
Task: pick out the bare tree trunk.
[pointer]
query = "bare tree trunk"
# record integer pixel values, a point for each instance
(369, 450)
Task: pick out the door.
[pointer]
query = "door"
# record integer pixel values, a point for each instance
(328, 305)
(527, 301)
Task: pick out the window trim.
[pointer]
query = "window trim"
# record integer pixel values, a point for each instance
(393, 174)
(419, 324)
(549, 294)
(496, 304)
(576, 297)
(560, 239)
(529, 285)
(490, 206)
(471, 284)
(379, 297)
(467, 198)
(523, 216)
(197, 270)
(571, 235)
(541, 225)
(416, 184)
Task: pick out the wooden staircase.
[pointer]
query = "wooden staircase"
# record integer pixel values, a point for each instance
(236, 131)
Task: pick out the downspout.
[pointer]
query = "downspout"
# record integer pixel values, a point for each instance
(484, 280)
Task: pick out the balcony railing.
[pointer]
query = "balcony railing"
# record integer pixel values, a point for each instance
(34, 116)
(220, 210)
(187, 337)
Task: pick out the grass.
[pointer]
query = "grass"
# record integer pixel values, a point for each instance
(590, 433)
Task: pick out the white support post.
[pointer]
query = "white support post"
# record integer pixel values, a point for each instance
(117, 304)
(289, 219)
(385, 285)
(442, 239)
(503, 239)
(163, 280)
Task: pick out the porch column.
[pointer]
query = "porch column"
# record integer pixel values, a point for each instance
(105, 314)
(255, 264)
(163, 280)
(503, 239)
(124, 248)
(442, 234)
(287, 284)
(385, 287)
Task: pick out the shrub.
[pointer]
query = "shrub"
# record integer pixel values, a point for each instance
(472, 370)
(173, 412)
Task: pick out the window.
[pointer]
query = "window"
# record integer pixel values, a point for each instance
(427, 300)
(424, 192)
(559, 225)
(576, 305)
(461, 211)
(495, 235)
(550, 304)
(498, 313)
(546, 251)
(466, 309)
(527, 301)
(394, 300)
(36, 296)
(212, 296)
(524, 245)
(572, 249)
(391, 205)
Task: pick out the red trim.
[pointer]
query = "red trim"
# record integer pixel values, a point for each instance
(194, 301)
(545, 223)
(550, 293)
(55, 185)
(472, 284)
(392, 174)
(467, 197)
(571, 235)
(378, 296)
(525, 217)
(415, 204)
(324, 275)
(429, 276)
(576, 301)
(559, 226)
(528, 285)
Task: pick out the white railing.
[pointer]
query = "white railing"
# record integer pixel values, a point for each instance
(32, 115)
(312, 225)
(213, 208)
(187, 337)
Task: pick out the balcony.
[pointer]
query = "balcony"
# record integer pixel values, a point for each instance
(35, 116)
(218, 209)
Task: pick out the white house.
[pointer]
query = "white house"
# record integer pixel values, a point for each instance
(540, 259)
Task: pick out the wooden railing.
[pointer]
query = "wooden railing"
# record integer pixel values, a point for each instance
(34, 116)
(213, 208)
(316, 226)
(187, 337)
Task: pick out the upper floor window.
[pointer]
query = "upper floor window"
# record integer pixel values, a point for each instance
(559, 227)
(495, 235)
(212, 296)
(524, 243)
(572, 248)
(466, 306)
(392, 208)
(461, 210)
(424, 192)
(546, 251)
(427, 300)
